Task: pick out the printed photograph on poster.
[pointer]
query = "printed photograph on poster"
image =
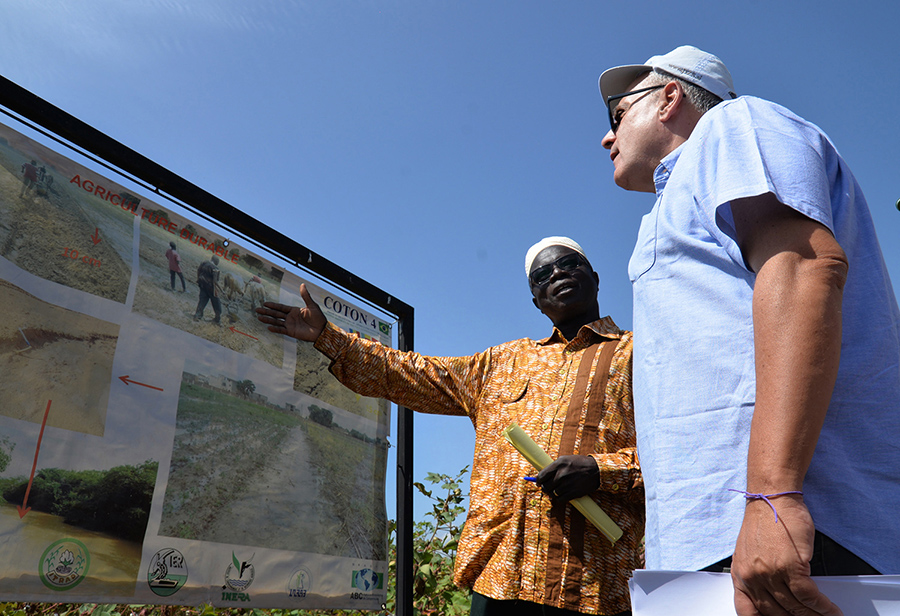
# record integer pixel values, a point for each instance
(311, 374)
(61, 223)
(312, 378)
(100, 512)
(51, 353)
(290, 474)
(197, 282)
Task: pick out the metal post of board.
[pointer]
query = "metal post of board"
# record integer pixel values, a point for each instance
(404, 592)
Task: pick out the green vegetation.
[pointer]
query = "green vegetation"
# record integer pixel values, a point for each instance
(116, 501)
(246, 387)
(321, 416)
(434, 547)
(6, 449)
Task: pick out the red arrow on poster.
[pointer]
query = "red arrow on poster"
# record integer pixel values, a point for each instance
(128, 381)
(96, 237)
(237, 331)
(23, 508)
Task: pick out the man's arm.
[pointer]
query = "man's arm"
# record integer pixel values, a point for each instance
(801, 271)
(440, 385)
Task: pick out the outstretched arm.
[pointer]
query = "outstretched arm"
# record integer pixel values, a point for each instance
(444, 385)
(801, 271)
(300, 323)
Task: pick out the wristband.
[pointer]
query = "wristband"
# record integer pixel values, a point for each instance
(765, 497)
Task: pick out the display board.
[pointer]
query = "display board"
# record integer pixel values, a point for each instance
(157, 443)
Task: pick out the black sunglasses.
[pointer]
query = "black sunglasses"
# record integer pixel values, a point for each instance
(615, 120)
(566, 263)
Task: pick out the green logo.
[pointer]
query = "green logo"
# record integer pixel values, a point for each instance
(64, 564)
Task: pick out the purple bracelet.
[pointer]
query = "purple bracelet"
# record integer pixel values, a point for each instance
(765, 497)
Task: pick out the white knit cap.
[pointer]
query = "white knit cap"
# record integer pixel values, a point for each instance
(555, 240)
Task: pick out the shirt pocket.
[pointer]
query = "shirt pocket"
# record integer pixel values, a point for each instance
(516, 404)
(513, 391)
(644, 256)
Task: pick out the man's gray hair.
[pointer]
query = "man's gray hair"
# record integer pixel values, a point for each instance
(702, 100)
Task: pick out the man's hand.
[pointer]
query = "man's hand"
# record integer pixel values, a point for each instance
(569, 477)
(770, 568)
(300, 323)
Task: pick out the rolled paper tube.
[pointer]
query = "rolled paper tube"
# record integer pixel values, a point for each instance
(538, 458)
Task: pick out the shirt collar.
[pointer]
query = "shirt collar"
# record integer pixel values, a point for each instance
(603, 328)
(664, 169)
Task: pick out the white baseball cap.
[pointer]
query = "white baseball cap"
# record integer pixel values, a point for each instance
(686, 62)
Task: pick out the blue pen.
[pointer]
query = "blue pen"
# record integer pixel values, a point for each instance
(532, 479)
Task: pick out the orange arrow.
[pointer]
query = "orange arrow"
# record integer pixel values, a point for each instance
(96, 237)
(23, 509)
(237, 331)
(128, 381)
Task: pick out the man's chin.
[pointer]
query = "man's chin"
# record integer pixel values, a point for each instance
(627, 182)
(620, 177)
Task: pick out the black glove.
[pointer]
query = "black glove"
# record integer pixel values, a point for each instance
(569, 477)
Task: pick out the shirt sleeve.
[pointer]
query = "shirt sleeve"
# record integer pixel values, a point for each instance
(619, 471)
(439, 385)
(750, 147)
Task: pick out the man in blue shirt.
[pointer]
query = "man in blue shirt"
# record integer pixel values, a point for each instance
(767, 351)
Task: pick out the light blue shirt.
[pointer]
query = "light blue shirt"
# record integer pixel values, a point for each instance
(694, 374)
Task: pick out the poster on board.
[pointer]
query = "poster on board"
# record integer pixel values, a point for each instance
(157, 443)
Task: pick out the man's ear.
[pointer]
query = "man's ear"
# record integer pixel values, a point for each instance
(535, 302)
(672, 101)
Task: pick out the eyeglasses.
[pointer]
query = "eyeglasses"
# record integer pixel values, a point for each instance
(566, 263)
(615, 118)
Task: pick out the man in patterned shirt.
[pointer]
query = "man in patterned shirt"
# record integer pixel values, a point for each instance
(524, 549)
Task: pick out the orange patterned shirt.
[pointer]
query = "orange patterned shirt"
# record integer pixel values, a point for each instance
(515, 543)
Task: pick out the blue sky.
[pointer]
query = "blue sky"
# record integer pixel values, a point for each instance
(424, 145)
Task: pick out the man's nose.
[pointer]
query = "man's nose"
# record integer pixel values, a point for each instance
(557, 272)
(608, 139)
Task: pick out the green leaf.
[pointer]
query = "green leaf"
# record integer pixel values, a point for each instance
(424, 557)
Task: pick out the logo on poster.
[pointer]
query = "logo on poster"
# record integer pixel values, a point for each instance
(300, 583)
(167, 572)
(238, 577)
(366, 580)
(64, 564)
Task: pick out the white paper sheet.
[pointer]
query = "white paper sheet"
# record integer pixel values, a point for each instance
(697, 593)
